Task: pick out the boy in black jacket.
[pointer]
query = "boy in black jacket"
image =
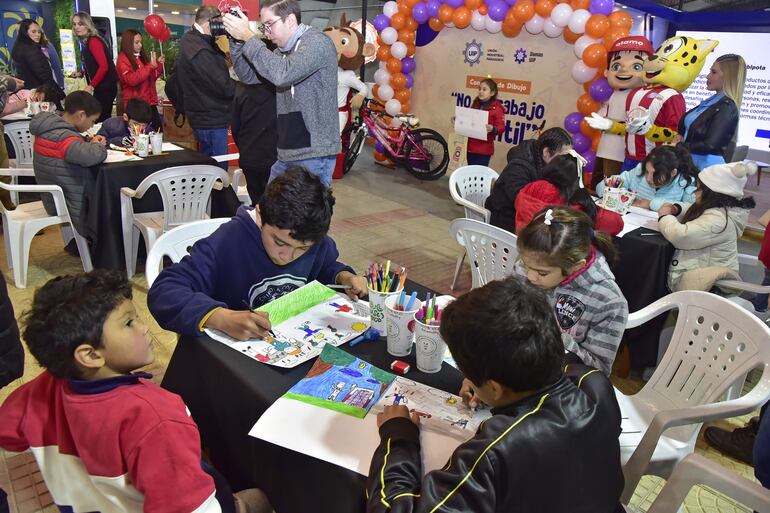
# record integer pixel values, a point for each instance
(552, 442)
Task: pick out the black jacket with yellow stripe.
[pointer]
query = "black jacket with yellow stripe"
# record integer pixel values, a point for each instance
(555, 451)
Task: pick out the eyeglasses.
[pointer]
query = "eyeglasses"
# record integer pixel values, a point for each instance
(268, 27)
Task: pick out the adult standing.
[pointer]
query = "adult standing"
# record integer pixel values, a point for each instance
(97, 57)
(138, 74)
(304, 71)
(32, 57)
(709, 128)
(207, 88)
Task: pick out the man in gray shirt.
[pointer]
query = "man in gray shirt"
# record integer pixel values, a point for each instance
(304, 71)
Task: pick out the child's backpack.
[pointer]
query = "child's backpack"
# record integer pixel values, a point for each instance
(173, 90)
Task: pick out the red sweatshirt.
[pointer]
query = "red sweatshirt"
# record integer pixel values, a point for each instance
(496, 119)
(140, 82)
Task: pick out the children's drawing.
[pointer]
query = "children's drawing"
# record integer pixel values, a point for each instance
(341, 382)
(304, 321)
(438, 410)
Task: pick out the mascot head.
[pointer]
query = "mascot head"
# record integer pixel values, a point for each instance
(350, 45)
(677, 62)
(625, 66)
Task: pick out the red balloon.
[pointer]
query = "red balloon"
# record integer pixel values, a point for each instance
(155, 26)
(165, 36)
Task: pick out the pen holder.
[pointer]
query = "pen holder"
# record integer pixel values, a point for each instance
(377, 309)
(430, 348)
(400, 326)
(618, 200)
(142, 145)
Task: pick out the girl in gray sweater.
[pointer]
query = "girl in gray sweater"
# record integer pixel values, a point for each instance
(561, 253)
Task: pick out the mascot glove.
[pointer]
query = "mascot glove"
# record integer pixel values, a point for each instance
(598, 122)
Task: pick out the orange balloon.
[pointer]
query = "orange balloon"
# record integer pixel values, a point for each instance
(543, 8)
(383, 53)
(412, 3)
(403, 96)
(580, 4)
(611, 36)
(524, 10)
(404, 108)
(599, 75)
(563, 1)
(435, 24)
(461, 17)
(595, 140)
(407, 36)
(595, 56)
(596, 26)
(410, 49)
(411, 25)
(398, 81)
(587, 86)
(445, 13)
(510, 19)
(380, 157)
(586, 129)
(511, 30)
(586, 105)
(376, 90)
(398, 21)
(404, 9)
(394, 65)
(570, 36)
(473, 4)
(621, 19)
(483, 10)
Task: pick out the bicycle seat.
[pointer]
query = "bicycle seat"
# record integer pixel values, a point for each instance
(408, 119)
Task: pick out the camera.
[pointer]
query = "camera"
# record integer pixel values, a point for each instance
(217, 26)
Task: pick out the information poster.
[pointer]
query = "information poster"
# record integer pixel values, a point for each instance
(67, 50)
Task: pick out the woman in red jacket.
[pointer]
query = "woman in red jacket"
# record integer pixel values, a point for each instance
(480, 151)
(137, 73)
(560, 185)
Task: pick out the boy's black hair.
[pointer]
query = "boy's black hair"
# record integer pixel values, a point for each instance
(138, 110)
(81, 100)
(69, 311)
(299, 202)
(504, 331)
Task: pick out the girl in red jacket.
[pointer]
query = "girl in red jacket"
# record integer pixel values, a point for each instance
(138, 74)
(480, 151)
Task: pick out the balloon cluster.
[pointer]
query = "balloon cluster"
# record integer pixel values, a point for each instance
(157, 28)
(591, 25)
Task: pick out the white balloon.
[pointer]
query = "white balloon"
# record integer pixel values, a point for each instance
(390, 8)
(577, 22)
(560, 15)
(398, 50)
(477, 20)
(385, 92)
(582, 43)
(393, 107)
(582, 73)
(535, 25)
(383, 65)
(551, 30)
(389, 35)
(382, 77)
(492, 26)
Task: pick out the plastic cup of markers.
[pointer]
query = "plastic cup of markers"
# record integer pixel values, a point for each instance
(377, 309)
(430, 348)
(618, 200)
(400, 326)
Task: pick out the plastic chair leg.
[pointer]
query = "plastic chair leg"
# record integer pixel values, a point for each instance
(85, 253)
(734, 392)
(7, 242)
(458, 267)
(135, 234)
(22, 256)
(67, 233)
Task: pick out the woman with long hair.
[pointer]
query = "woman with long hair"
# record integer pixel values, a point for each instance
(97, 57)
(137, 73)
(33, 58)
(708, 129)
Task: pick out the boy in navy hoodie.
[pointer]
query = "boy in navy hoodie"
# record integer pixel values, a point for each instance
(259, 256)
(136, 118)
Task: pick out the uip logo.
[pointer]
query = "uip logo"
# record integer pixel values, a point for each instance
(520, 56)
(472, 53)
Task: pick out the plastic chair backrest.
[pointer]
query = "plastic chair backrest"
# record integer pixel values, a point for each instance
(491, 250)
(176, 244)
(474, 184)
(714, 343)
(23, 142)
(54, 190)
(185, 191)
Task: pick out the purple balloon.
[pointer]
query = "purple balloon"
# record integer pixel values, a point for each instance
(420, 12)
(497, 10)
(425, 35)
(381, 22)
(572, 122)
(407, 65)
(454, 3)
(590, 156)
(604, 7)
(379, 147)
(409, 79)
(580, 142)
(601, 90)
(511, 2)
(433, 7)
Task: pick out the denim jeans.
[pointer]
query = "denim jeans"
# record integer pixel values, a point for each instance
(212, 142)
(322, 167)
(760, 301)
(474, 159)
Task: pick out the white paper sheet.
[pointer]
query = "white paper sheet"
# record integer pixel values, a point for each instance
(639, 218)
(167, 146)
(119, 156)
(16, 116)
(471, 122)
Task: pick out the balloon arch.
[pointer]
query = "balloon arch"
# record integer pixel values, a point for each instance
(592, 26)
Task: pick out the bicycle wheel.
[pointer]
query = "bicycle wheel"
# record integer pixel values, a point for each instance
(428, 157)
(353, 151)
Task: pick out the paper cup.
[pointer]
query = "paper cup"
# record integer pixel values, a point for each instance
(156, 139)
(430, 348)
(400, 326)
(377, 309)
(34, 107)
(142, 145)
(618, 200)
(45, 107)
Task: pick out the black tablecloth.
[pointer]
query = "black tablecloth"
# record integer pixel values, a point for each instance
(641, 274)
(227, 392)
(104, 223)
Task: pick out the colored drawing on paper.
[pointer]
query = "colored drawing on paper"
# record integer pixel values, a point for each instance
(297, 301)
(341, 382)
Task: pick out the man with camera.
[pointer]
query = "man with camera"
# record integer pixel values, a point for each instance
(205, 80)
(304, 71)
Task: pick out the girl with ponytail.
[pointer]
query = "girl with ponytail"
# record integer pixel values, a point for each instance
(560, 252)
(667, 175)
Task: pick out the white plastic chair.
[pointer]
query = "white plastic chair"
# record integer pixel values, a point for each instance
(714, 343)
(470, 187)
(21, 224)
(23, 145)
(185, 191)
(240, 190)
(491, 250)
(176, 243)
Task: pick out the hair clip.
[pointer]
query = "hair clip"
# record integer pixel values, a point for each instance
(548, 217)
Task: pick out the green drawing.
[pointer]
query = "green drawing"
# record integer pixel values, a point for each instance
(297, 301)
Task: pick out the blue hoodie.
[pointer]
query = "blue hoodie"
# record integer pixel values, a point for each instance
(231, 267)
(677, 191)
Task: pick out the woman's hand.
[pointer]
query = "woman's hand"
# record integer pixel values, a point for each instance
(667, 210)
(89, 89)
(489, 128)
(642, 203)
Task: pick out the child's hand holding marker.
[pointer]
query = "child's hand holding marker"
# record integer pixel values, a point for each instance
(468, 394)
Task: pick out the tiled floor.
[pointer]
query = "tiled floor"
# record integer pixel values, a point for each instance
(380, 214)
